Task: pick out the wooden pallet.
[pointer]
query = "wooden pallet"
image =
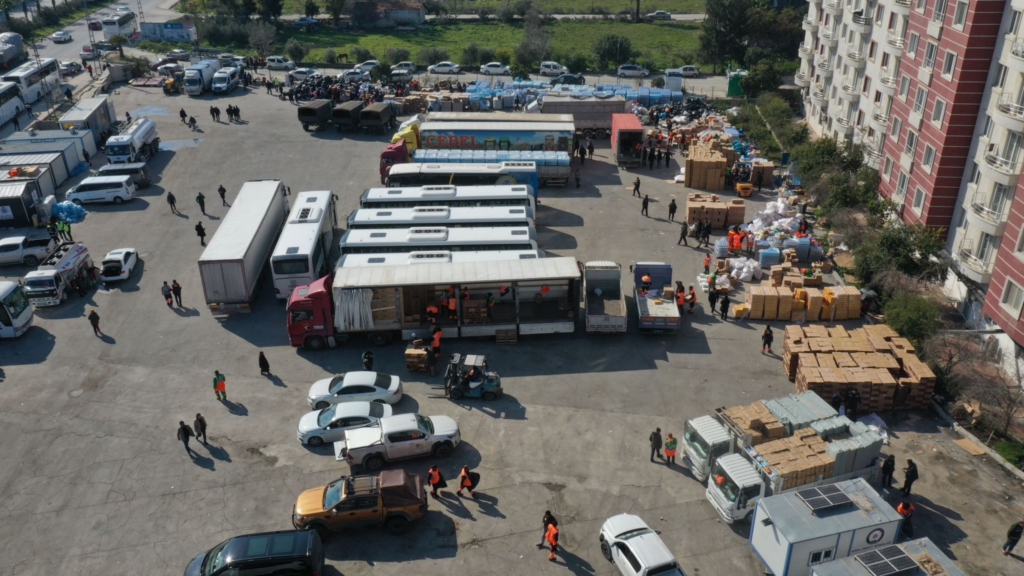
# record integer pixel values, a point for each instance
(506, 336)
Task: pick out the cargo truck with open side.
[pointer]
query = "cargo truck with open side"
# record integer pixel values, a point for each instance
(627, 132)
(591, 115)
(605, 304)
(231, 265)
(657, 312)
(533, 296)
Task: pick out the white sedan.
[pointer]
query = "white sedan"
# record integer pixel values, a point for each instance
(355, 387)
(495, 68)
(300, 74)
(61, 36)
(356, 76)
(444, 68)
(411, 67)
(118, 264)
(368, 65)
(329, 424)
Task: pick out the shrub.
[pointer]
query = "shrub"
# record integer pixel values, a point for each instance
(484, 13)
(914, 317)
(522, 7)
(432, 55)
(1012, 452)
(614, 49)
(296, 50)
(471, 55)
(360, 54)
(658, 82)
(398, 54)
(504, 55)
(576, 63)
(507, 14)
(520, 71)
(311, 8)
(487, 55)
(330, 56)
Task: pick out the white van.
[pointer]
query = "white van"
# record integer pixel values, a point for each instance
(114, 189)
(552, 69)
(225, 80)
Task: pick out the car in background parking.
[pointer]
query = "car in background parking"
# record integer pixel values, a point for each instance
(179, 55)
(329, 424)
(495, 69)
(29, 250)
(279, 63)
(306, 21)
(445, 67)
(572, 79)
(632, 71)
(402, 76)
(355, 76)
(95, 25)
(552, 69)
(635, 549)
(358, 386)
(660, 15)
(411, 67)
(69, 68)
(60, 37)
(118, 264)
(300, 74)
(689, 71)
(284, 552)
(368, 65)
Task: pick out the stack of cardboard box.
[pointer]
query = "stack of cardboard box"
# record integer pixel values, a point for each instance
(766, 170)
(383, 305)
(705, 168)
(756, 421)
(789, 302)
(700, 206)
(416, 358)
(786, 274)
(800, 459)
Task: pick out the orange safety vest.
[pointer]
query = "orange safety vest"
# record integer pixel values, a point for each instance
(646, 279)
(432, 309)
(680, 299)
(552, 535)
(437, 339)
(905, 512)
(544, 290)
(466, 482)
(692, 296)
(452, 303)
(707, 259)
(435, 476)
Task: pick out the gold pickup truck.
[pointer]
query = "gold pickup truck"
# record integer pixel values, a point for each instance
(392, 499)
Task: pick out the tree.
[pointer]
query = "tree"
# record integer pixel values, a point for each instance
(334, 8)
(723, 32)
(507, 14)
(535, 43)
(487, 55)
(120, 40)
(361, 54)
(364, 14)
(1000, 392)
(471, 55)
(247, 8)
(6, 6)
(523, 7)
(270, 9)
(262, 38)
(484, 13)
(914, 317)
(382, 72)
(311, 8)
(954, 357)
(330, 56)
(454, 7)
(614, 49)
(432, 55)
(762, 77)
(398, 54)
(296, 50)
(520, 71)
(435, 7)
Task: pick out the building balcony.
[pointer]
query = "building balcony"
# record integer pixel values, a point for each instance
(1010, 113)
(880, 120)
(971, 266)
(1005, 171)
(819, 97)
(895, 40)
(806, 51)
(1018, 5)
(844, 126)
(824, 68)
(809, 25)
(901, 7)
(981, 215)
(833, 7)
(861, 24)
(887, 84)
(830, 38)
(802, 80)
(1013, 54)
(849, 92)
(893, 48)
(856, 58)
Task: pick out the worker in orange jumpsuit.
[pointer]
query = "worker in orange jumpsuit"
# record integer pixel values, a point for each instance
(691, 297)
(680, 297)
(436, 480)
(432, 312)
(435, 344)
(453, 313)
(552, 538)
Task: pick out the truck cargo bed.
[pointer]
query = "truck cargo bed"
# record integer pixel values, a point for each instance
(605, 305)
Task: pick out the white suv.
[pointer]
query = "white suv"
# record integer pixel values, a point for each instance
(636, 550)
(633, 71)
(552, 69)
(279, 63)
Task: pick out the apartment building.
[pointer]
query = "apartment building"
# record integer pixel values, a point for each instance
(934, 90)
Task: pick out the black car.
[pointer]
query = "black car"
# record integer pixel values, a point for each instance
(569, 79)
(292, 552)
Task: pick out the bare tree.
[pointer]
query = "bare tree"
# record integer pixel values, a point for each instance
(1000, 392)
(262, 38)
(955, 357)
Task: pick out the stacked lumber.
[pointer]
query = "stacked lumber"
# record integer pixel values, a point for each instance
(799, 459)
(873, 360)
(756, 421)
(705, 167)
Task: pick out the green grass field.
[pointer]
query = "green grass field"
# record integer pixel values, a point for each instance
(565, 6)
(662, 44)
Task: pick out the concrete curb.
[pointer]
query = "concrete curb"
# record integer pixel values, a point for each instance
(961, 431)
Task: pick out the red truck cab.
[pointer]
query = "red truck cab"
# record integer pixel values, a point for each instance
(311, 315)
(397, 153)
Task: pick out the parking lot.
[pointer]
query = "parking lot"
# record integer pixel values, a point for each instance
(93, 481)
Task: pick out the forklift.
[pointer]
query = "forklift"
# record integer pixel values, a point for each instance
(467, 377)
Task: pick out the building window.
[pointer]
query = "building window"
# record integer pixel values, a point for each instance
(819, 557)
(930, 52)
(911, 146)
(1000, 76)
(860, 117)
(897, 125)
(920, 100)
(987, 132)
(1013, 297)
(949, 65)
(912, 44)
(1020, 241)
(871, 50)
(939, 111)
(920, 5)
(960, 16)
(1014, 22)
(866, 86)
(904, 87)
(887, 172)
(975, 174)
(901, 184)
(918, 199)
(879, 14)
(939, 14)
(928, 157)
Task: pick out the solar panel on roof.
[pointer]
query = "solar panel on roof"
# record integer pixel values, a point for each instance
(887, 561)
(812, 493)
(889, 552)
(830, 489)
(824, 498)
(818, 503)
(839, 499)
(871, 557)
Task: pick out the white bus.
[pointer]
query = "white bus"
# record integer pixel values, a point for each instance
(455, 174)
(441, 215)
(121, 23)
(11, 103)
(444, 256)
(454, 196)
(438, 238)
(34, 79)
(302, 251)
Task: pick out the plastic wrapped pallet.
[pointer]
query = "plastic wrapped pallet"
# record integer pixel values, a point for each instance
(858, 428)
(870, 448)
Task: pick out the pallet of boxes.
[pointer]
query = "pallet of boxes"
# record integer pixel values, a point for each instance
(705, 166)
(874, 360)
(773, 299)
(710, 206)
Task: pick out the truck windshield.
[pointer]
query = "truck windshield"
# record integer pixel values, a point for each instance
(117, 149)
(425, 424)
(40, 284)
(694, 440)
(333, 494)
(15, 302)
(193, 81)
(725, 484)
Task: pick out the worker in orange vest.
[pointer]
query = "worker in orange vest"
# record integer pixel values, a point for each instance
(436, 480)
(691, 297)
(453, 314)
(552, 538)
(680, 297)
(468, 481)
(707, 263)
(545, 289)
(436, 340)
(432, 312)
(906, 509)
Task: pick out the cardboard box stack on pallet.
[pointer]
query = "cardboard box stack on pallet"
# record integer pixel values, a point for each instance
(766, 170)
(705, 168)
(792, 304)
(799, 459)
(873, 360)
(700, 206)
(756, 421)
(786, 274)
(416, 357)
(383, 305)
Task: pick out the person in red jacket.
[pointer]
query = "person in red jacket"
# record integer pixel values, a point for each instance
(552, 538)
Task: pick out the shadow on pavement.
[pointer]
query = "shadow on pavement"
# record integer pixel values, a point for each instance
(432, 538)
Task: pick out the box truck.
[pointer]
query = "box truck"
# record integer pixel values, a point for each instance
(231, 265)
(199, 77)
(591, 115)
(627, 132)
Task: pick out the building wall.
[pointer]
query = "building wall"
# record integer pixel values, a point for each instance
(1001, 305)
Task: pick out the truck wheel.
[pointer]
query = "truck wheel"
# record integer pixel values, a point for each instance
(31, 261)
(606, 551)
(397, 525)
(64, 297)
(379, 338)
(442, 450)
(602, 134)
(315, 441)
(155, 147)
(456, 394)
(321, 405)
(588, 133)
(305, 127)
(490, 396)
(314, 343)
(374, 463)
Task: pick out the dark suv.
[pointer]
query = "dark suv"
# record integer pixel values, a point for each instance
(569, 79)
(292, 552)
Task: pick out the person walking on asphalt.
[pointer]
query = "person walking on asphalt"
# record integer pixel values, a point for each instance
(655, 439)
(166, 291)
(1013, 536)
(213, 114)
(577, 176)
(199, 425)
(468, 481)
(636, 187)
(436, 480)
(172, 202)
(176, 290)
(672, 210)
(547, 520)
(643, 157)
(184, 433)
(670, 450)
(264, 364)
(201, 200)
(590, 148)
(707, 258)
(650, 159)
(184, 116)
(691, 297)
(94, 319)
(220, 385)
(909, 477)
(552, 538)
(657, 157)
(766, 339)
(201, 232)
(367, 358)
(724, 307)
(888, 467)
(683, 231)
(643, 206)
(222, 191)
(712, 299)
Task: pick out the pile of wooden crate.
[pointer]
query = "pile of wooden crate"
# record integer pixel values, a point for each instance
(756, 421)
(416, 357)
(800, 459)
(874, 360)
(768, 302)
(474, 311)
(710, 206)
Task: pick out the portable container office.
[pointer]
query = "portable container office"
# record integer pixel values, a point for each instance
(795, 531)
(95, 114)
(912, 558)
(18, 202)
(40, 175)
(52, 162)
(85, 139)
(66, 148)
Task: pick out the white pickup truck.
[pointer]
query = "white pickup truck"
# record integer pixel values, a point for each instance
(29, 250)
(397, 438)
